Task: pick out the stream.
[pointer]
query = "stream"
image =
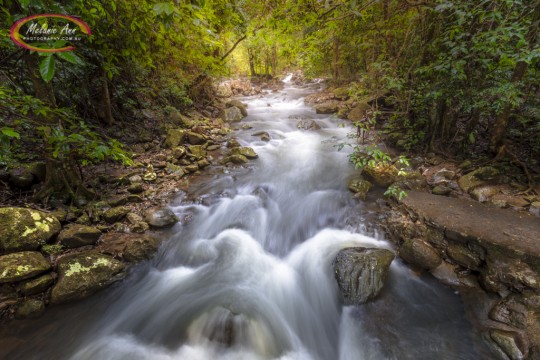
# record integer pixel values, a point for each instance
(249, 276)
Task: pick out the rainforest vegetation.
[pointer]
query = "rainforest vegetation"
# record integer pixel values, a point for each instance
(458, 78)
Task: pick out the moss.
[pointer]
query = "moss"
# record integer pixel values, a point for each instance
(76, 267)
(52, 249)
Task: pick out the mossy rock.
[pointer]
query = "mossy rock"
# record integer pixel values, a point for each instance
(359, 111)
(197, 151)
(382, 174)
(37, 285)
(231, 114)
(22, 265)
(478, 177)
(360, 187)
(73, 236)
(235, 159)
(30, 308)
(83, 274)
(115, 214)
(26, 229)
(174, 138)
(341, 93)
(244, 151)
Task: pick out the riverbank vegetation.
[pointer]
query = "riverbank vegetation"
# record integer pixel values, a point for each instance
(457, 78)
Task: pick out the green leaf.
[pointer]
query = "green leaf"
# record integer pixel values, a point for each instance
(46, 68)
(9, 132)
(167, 8)
(70, 57)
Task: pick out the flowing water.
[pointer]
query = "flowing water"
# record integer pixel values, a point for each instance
(250, 275)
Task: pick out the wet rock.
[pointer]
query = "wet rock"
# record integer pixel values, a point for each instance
(195, 139)
(37, 285)
(115, 214)
(160, 217)
(82, 274)
(382, 175)
(22, 265)
(308, 125)
(419, 253)
(140, 247)
(231, 114)
(174, 138)
(179, 152)
(30, 308)
(263, 135)
(477, 177)
(240, 105)
(361, 273)
(441, 190)
(360, 187)
(507, 343)
(136, 188)
(73, 236)
(21, 178)
(26, 229)
(235, 159)
(244, 151)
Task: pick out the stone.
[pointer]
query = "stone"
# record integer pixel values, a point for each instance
(134, 218)
(308, 125)
(37, 285)
(419, 253)
(359, 112)
(263, 135)
(235, 159)
(244, 151)
(535, 208)
(477, 177)
(174, 138)
(179, 152)
(463, 256)
(83, 274)
(140, 248)
(75, 235)
(115, 214)
(507, 341)
(240, 105)
(360, 187)
(341, 93)
(160, 217)
(174, 170)
(382, 174)
(135, 179)
(26, 229)
(231, 114)
(136, 188)
(213, 147)
(197, 152)
(21, 178)
(483, 193)
(30, 308)
(22, 265)
(192, 168)
(441, 190)
(195, 139)
(140, 227)
(361, 273)
(330, 107)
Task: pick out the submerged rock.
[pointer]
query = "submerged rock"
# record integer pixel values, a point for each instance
(82, 274)
(22, 265)
(361, 273)
(26, 229)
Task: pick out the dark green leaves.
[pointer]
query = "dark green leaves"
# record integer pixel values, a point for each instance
(47, 67)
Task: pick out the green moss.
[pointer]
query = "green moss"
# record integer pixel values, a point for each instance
(77, 267)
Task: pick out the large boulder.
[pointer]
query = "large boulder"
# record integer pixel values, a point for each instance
(420, 253)
(477, 178)
(231, 114)
(22, 265)
(82, 274)
(160, 217)
(361, 273)
(25, 229)
(75, 235)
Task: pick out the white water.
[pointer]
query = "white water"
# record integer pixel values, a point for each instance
(250, 276)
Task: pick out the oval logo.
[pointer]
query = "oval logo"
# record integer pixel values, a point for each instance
(40, 32)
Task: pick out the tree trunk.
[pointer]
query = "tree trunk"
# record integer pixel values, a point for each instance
(42, 90)
(106, 100)
(251, 59)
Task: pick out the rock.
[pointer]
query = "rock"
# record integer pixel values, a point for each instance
(203, 163)
(30, 308)
(419, 253)
(235, 159)
(330, 107)
(25, 229)
(140, 248)
(174, 138)
(382, 174)
(213, 147)
(22, 265)
(463, 256)
(535, 208)
(192, 168)
(359, 112)
(443, 174)
(197, 152)
(341, 93)
(507, 341)
(115, 214)
(240, 105)
(231, 114)
(37, 285)
(484, 192)
(140, 227)
(233, 143)
(244, 151)
(73, 236)
(82, 274)
(21, 178)
(134, 218)
(360, 187)
(441, 190)
(49, 249)
(477, 177)
(160, 217)
(179, 152)
(361, 273)
(177, 118)
(135, 179)
(174, 170)
(308, 125)
(195, 139)
(39, 170)
(135, 188)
